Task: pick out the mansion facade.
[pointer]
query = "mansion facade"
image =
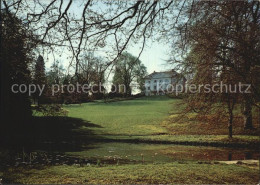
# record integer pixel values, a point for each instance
(161, 83)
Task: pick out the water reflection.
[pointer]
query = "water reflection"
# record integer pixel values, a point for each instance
(122, 153)
(243, 156)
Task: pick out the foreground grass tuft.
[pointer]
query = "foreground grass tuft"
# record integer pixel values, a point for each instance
(177, 172)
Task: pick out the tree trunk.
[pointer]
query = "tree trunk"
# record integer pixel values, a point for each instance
(247, 113)
(128, 90)
(259, 117)
(230, 125)
(231, 104)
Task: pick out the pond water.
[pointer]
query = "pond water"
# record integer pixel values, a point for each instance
(150, 153)
(124, 153)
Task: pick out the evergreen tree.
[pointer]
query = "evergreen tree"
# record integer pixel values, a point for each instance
(16, 46)
(39, 77)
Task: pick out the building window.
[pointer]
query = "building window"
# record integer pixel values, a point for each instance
(160, 81)
(155, 81)
(166, 80)
(149, 82)
(148, 88)
(155, 87)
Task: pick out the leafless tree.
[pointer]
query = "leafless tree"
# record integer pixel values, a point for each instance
(221, 42)
(94, 25)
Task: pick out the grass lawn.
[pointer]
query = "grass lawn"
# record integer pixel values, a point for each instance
(150, 119)
(132, 142)
(140, 116)
(171, 173)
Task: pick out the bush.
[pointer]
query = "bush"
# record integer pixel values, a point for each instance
(115, 95)
(52, 110)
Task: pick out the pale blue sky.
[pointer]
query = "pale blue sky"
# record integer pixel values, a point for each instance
(153, 56)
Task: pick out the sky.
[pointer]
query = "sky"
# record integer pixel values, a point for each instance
(153, 55)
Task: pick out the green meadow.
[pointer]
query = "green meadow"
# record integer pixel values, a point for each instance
(131, 117)
(137, 142)
(170, 173)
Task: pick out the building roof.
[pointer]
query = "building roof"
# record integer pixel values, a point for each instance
(163, 74)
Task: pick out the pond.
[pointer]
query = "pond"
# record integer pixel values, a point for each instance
(160, 153)
(124, 153)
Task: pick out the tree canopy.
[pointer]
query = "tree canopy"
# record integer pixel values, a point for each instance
(222, 45)
(16, 57)
(129, 69)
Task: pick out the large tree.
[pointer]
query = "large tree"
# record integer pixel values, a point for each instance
(129, 69)
(92, 68)
(16, 57)
(56, 73)
(92, 72)
(226, 49)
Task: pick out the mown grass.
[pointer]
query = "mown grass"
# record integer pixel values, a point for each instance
(127, 130)
(151, 119)
(132, 117)
(171, 173)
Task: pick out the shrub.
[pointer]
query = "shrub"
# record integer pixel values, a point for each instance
(52, 110)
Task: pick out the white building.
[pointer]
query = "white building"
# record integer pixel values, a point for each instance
(160, 83)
